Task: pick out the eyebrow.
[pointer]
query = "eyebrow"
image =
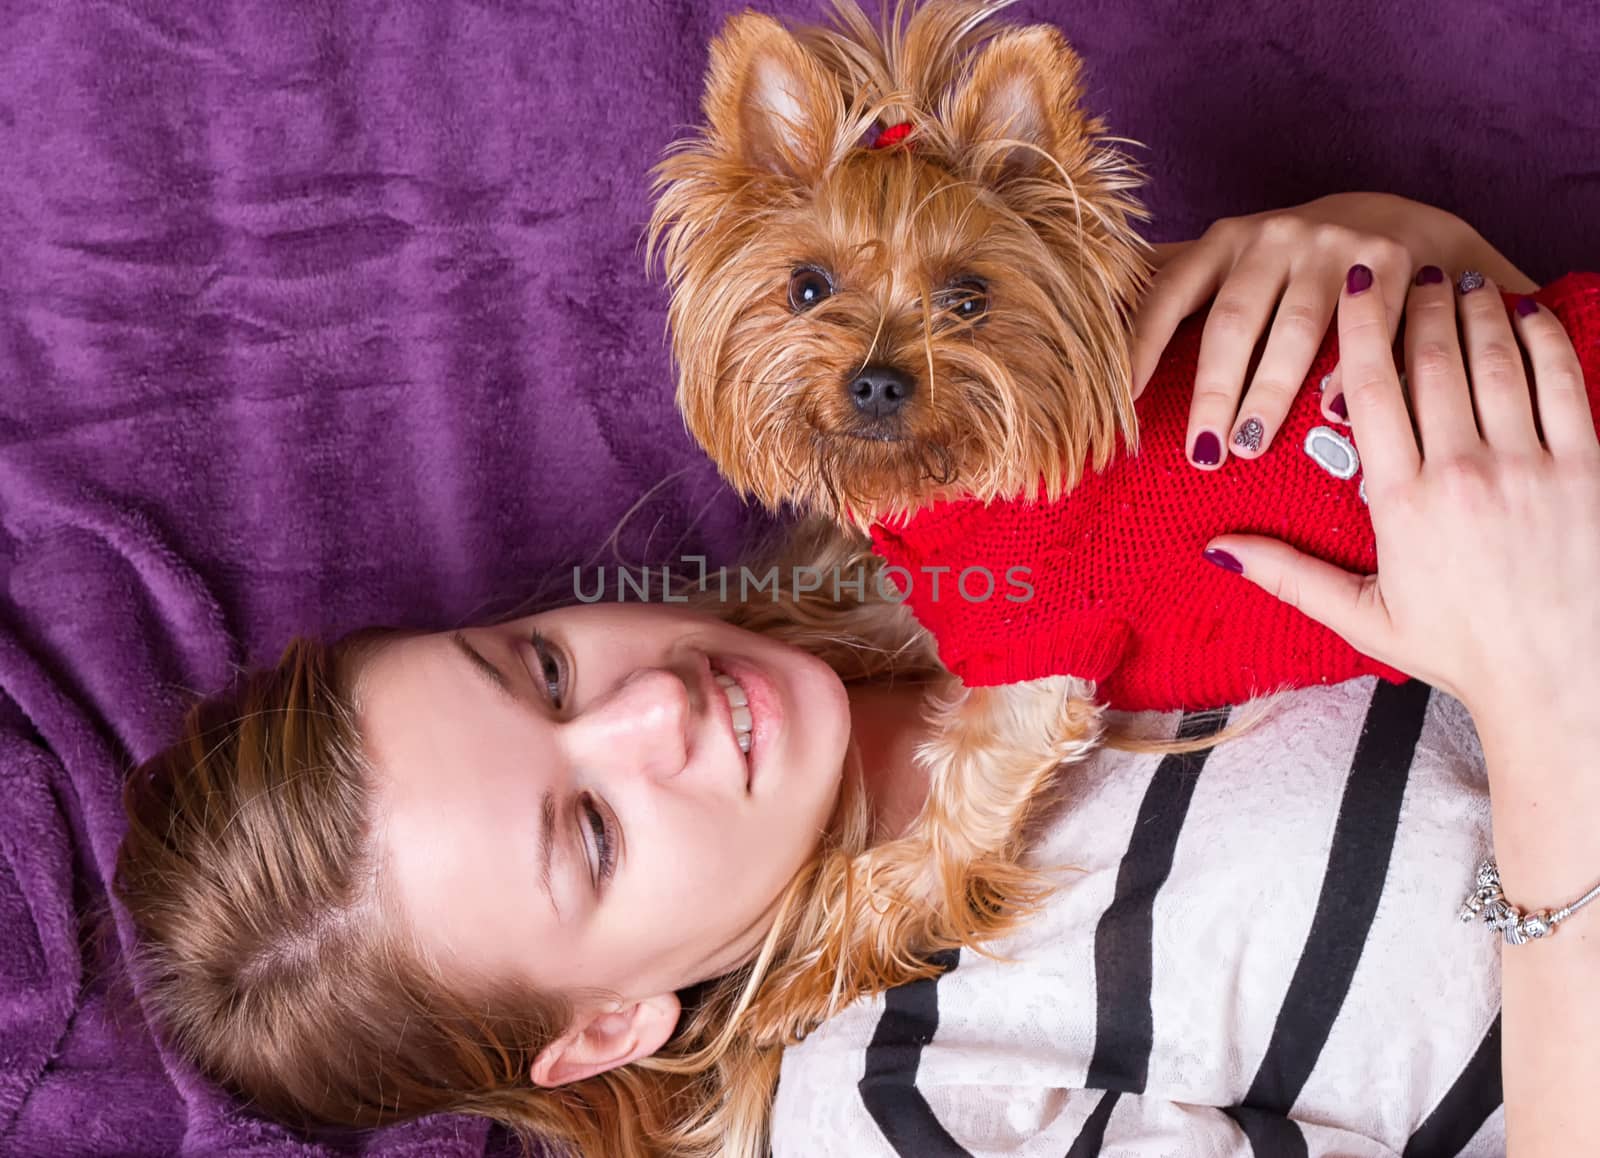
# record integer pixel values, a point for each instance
(547, 841)
(482, 665)
(547, 804)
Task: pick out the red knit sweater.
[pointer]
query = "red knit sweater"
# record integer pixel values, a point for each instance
(1119, 591)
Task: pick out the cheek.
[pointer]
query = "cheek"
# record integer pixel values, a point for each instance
(705, 882)
(822, 704)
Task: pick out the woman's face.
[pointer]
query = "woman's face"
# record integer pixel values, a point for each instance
(563, 799)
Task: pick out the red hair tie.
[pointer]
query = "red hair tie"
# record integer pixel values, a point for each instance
(891, 136)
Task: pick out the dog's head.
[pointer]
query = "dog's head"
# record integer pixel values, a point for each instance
(902, 263)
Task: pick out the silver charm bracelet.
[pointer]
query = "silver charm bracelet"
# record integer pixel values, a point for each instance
(1488, 904)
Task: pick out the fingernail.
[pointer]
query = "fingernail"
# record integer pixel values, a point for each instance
(1207, 449)
(1358, 280)
(1221, 558)
(1337, 407)
(1248, 437)
(1430, 275)
(1526, 306)
(1469, 280)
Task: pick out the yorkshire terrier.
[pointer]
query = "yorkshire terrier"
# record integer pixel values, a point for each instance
(902, 265)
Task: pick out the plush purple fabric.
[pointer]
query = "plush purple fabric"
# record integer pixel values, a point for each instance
(314, 314)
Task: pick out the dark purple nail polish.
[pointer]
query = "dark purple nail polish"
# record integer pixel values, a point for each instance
(1337, 407)
(1430, 275)
(1221, 558)
(1358, 280)
(1207, 449)
(1526, 306)
(1469, 280)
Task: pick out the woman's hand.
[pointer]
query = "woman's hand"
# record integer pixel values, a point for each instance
(1488, 531)
(1284, 268)
(1487, 527)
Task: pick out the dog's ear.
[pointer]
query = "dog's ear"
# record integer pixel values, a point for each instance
(1019, 111)
(769, 104)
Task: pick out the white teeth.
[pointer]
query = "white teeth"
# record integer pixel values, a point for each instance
(734, 692)
(739, 707)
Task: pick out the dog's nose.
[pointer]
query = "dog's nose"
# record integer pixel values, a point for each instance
(880, 391)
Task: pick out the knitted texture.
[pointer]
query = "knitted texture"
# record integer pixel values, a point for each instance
(1119, 591)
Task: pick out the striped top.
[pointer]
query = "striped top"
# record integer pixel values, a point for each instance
(1259, 955)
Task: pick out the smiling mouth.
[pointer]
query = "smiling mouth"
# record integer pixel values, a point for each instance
(739, 710)
(754, 706)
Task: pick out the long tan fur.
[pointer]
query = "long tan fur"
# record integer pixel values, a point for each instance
(1007, 183)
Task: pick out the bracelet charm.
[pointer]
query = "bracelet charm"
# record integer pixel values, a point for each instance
(1488, 905)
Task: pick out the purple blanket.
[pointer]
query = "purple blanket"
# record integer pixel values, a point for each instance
(315, 314)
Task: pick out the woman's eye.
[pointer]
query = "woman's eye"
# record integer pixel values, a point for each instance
(605, 847)
(550, 669)
(807, 287)
(967, 300)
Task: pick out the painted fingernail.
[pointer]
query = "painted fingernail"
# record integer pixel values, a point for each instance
(1430, 275)
(1337, 408)
(1358, 280)
(1221, 558)
(1207, 449)
(1469, 280)
(1249, 436)
(1526, 306)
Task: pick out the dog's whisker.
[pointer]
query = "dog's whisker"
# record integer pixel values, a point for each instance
(942, 468)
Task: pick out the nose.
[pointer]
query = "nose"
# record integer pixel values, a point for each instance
(880, 391)
(641, 728)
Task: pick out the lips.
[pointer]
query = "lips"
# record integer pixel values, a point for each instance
(761, 702)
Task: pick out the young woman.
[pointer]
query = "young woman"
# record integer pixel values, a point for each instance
(568, 871)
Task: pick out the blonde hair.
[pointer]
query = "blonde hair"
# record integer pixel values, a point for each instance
(266, 955)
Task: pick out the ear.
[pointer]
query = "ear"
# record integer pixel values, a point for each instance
(1020, 106)
(603, 1039)
(770, 105)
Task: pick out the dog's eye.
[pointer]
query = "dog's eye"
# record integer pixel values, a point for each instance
(968, 300)
(807, 287)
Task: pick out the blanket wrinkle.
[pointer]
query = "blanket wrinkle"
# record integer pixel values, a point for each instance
(322, 313)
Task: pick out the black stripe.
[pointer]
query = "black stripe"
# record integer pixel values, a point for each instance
(1270, 1135)
(1358, 862)
(889, 1084)
(1124, 946)
(1093, 1135)
(1462, 1112)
